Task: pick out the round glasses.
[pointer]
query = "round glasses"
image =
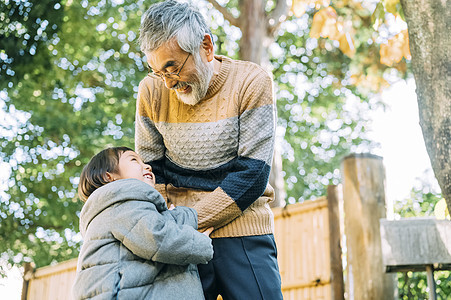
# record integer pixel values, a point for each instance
(169, 75)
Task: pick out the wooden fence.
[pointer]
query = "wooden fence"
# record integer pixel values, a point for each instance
(52, 282)
(307, 262)
(302, 237)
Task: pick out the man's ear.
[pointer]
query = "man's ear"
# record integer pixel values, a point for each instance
(207, 46)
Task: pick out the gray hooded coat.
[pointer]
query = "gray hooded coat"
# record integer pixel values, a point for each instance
(135, 248)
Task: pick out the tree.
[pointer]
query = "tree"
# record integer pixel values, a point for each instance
(70, 91)
(67, 93)
(429, 24)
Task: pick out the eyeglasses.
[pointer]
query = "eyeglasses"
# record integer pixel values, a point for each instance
(169, 75)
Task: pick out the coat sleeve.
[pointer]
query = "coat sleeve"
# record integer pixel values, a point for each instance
(154, 236)
(183, 215)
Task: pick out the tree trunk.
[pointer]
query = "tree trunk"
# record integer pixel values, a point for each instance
(253, 29)
(429, 25)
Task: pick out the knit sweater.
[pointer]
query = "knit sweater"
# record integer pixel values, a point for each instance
(214, 156)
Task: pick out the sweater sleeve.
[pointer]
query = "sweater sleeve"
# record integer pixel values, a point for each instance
(248, 177)
(154, 236)
(148, 140)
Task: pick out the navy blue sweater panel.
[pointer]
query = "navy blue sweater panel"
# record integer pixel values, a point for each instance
(242, 179)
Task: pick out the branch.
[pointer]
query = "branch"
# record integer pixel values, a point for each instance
(281, 10)
(226, 13)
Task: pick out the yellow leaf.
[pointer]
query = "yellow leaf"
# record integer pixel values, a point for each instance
(299, 7)
(317, 25)
(440, 210)
(395, 49)
(406, 48)
(325, 24)
(346, 44)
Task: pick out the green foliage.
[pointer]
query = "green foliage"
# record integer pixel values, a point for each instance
(413, 285)
(70, 71)
(421, 201)
(314, 92)
(67, 93)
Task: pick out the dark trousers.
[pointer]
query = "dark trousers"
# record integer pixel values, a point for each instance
(242, 268)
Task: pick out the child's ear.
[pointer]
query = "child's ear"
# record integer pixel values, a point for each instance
(109, 177)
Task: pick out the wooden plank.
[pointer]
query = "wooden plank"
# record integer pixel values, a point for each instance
(60, 267)
(28, 273)
(291, 209)
(415, 241)
(335, 251)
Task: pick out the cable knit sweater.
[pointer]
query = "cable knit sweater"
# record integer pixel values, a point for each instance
(214, 156)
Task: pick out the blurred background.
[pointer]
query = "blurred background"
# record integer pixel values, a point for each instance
(69, 77)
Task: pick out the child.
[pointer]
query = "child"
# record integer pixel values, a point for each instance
(134, 247)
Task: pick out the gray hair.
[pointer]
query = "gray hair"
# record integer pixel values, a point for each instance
(166, 20)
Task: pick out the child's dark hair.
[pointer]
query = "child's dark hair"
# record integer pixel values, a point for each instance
(94, 176)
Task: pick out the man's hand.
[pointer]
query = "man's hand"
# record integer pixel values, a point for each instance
(208, 231)
(171, 207)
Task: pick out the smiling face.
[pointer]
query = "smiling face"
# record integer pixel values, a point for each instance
(131, 166)
(193, 72)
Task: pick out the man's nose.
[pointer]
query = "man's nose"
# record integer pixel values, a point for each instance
(148, 167)
(169, 82)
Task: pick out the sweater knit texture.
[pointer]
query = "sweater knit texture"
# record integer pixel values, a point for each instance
(135, 248)
(214, 156)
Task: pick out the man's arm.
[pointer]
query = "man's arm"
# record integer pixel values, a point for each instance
(148, 141)
(249, 174)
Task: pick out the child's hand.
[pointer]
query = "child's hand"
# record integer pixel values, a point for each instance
(208, 231)
(171, 207)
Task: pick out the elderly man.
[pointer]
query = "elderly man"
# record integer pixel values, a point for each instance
(205, 124)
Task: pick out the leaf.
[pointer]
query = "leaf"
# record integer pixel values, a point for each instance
(325, 24)
(406, 48)
(299, 7)
(378, 15)
(440, 210)
(390, 6)
(346, 44)
(401, 14)
(395, 49)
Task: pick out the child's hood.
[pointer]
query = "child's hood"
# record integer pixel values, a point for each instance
(118, 191)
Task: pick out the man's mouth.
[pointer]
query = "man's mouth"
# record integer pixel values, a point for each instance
(182, 87)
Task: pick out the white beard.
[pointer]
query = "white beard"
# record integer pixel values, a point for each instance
(199, 83)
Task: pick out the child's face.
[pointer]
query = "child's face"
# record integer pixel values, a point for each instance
(131, 166)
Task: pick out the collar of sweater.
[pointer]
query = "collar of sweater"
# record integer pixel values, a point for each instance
(218, 82)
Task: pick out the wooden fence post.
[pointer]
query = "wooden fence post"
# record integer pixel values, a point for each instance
(336, 272)
(364, 204)
(27, 275)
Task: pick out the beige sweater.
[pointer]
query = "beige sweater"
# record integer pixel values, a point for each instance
(214, 156)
